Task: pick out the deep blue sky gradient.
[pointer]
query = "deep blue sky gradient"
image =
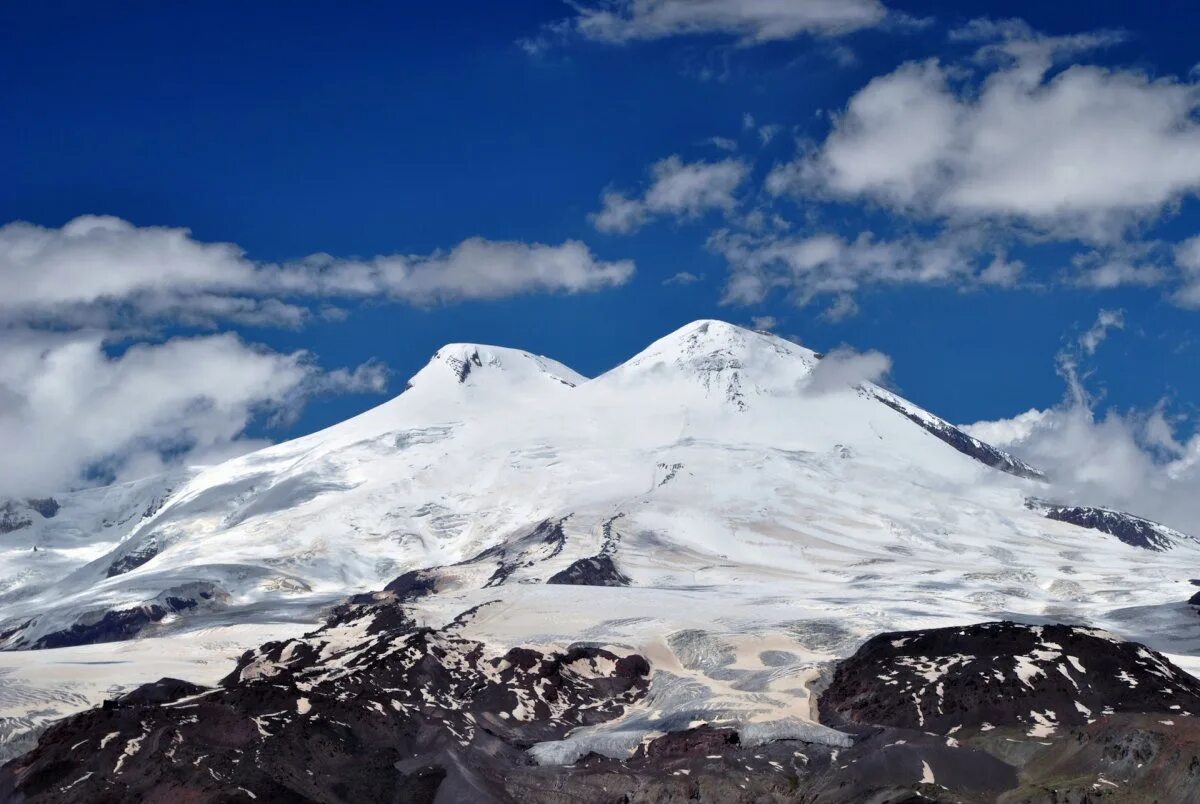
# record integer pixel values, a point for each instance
(364, 128)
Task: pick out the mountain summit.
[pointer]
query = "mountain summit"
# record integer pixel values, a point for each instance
(701, 506)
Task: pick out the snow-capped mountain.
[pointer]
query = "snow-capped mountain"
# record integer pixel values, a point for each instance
(714, 505)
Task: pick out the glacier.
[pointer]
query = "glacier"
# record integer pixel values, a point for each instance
(756, 532)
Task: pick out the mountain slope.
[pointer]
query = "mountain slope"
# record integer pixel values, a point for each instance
(701, 505)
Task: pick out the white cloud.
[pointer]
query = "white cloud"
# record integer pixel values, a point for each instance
(1132, 461)
(1005, 433)
(769, 132)
(1120, 264)
(1106, 320)
(1129, 461)
(619, 214)
(1002, 272)
(97, 269)
(723, 143)
(90, 391)
(74, 412)
(1085, 152)
(751, 21)
(844, 369)
(475, 269)
(683, 278)
(1187, 258)
(843, 307)
(764, 323)
(366, 378)
(678, 189)
(820, 264)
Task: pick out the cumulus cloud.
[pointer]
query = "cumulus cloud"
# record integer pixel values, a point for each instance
(97, 269)
(678, 189)
(1129, 460)
(90, 390)
(1002, 272)
(750, 21)
(829, 264)
(76, 412)
(1085, 151)
(764, 323)
(844, 369)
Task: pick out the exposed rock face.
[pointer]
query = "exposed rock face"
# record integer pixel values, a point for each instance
(594, 571)
(12, 518)
(112, 625)
(1037, 678)
(48, 507)
(146, 549)
(544, 542)
(967, 445)
(462, 365)
(16, 515)
(1133, 530)
(368, 708)
(372, 708)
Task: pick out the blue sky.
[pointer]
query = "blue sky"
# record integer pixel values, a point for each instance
(357, 130)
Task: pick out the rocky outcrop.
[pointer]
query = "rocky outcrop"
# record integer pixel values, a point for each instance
(111, 625)
(956, 438)
(1040, 679)
(134, 556)
(368, 708)
(1133, 530)
(13, 518)
(16, 515)
(47, 507)
(373, 708)
(594, 571)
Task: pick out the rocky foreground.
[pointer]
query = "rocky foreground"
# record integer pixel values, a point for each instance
(372, 707)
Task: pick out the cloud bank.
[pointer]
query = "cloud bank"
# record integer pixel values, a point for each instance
(92, 388)
(97, 269)
(1133, 460)
(75, 413)
(1083, 151)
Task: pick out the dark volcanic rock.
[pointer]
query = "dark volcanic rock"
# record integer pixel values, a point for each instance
(372, 708)
(594, 571)
(700, 740)
(165, 690)
(134, 557)
(48, 507)
(412, 585)
(967, 445)
(1133, 530)
(544, 542)
(113, 626)
(1038, 678)
(12, 518)
(461, 367)
(119, 624)
(367, 708)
